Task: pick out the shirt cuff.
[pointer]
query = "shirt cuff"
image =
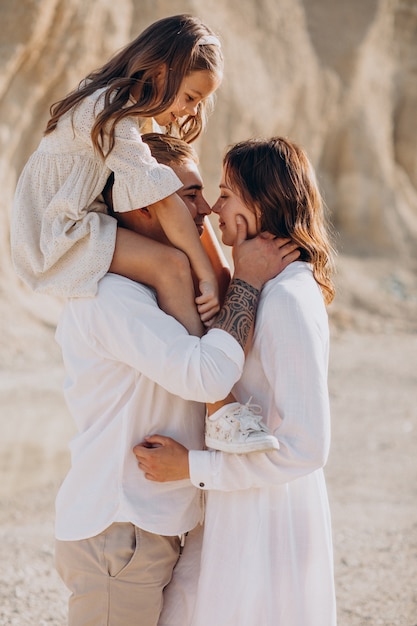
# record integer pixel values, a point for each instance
(224, 341)
(201, 464)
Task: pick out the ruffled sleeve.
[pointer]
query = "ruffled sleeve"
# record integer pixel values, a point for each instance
(139, 180)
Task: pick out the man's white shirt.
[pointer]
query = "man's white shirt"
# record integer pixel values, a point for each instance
(133, 371)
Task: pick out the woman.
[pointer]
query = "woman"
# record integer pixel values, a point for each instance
(267, 552)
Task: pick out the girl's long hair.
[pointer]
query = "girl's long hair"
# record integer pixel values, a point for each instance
(275, 178)
(180, 43)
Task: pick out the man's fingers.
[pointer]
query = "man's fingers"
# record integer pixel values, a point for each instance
(267, 235)
(282, 241)
(288, 249)
(286, 244)
(292, 256)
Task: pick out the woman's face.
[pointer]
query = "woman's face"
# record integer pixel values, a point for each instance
(227, 207)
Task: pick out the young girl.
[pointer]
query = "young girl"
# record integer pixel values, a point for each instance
(267, 549)
(63, 241)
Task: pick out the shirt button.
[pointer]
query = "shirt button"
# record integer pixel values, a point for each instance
(202, 485)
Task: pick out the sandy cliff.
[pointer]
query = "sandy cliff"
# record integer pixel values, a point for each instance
(338, 77)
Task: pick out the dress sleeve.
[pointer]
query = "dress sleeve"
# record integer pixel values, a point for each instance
(139, 179)
(293, 355)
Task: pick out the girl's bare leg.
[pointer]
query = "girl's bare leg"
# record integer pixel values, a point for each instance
(162, 267)
(215, 406)
(217, 258)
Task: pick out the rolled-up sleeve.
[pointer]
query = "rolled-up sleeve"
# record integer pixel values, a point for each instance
(132, 330)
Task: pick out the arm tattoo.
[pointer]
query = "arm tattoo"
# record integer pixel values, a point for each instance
(238, 311)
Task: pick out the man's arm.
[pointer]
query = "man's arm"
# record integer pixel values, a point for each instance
(256, 261)
(238, 311)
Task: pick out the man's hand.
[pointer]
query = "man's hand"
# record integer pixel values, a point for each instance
(162, 459)
(259, 259)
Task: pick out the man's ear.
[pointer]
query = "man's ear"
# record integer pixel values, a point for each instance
(144, 211)
(132, 219)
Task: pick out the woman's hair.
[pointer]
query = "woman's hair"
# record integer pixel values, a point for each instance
(183, 44)
(275, 178)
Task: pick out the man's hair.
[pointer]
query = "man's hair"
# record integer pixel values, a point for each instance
(165, 149)
(275, 179)
(182, 43)
(169, 150)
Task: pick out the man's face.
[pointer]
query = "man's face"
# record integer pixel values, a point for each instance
(192, 192)
(145, 221)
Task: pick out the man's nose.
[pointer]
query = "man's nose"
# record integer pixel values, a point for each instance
(203, 206)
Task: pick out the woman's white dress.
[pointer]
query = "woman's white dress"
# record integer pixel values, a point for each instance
(267, 551)
(62, 240)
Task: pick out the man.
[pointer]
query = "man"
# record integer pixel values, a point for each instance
(132, 370)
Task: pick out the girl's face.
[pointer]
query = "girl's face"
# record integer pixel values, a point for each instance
(195, 87)
(227, 207)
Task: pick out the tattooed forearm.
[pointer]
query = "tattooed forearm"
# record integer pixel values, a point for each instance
(238, 311)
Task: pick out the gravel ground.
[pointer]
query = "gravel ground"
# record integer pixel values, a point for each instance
(371, 474)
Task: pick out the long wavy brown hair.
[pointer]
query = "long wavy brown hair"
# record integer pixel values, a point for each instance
(275, 178)
(179, 42)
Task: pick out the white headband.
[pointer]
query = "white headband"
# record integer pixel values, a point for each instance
(209, 40)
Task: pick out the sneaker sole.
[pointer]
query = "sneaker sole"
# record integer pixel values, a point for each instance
(243, 448)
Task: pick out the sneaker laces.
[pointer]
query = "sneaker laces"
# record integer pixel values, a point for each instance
(250, 418)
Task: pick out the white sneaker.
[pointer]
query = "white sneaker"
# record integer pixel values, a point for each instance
(238, 428)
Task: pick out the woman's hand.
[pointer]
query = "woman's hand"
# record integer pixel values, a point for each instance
(162, 459)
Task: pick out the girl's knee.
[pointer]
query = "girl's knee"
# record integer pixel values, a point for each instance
(176, 269)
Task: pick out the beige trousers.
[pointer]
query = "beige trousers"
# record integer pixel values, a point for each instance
(117, 578)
